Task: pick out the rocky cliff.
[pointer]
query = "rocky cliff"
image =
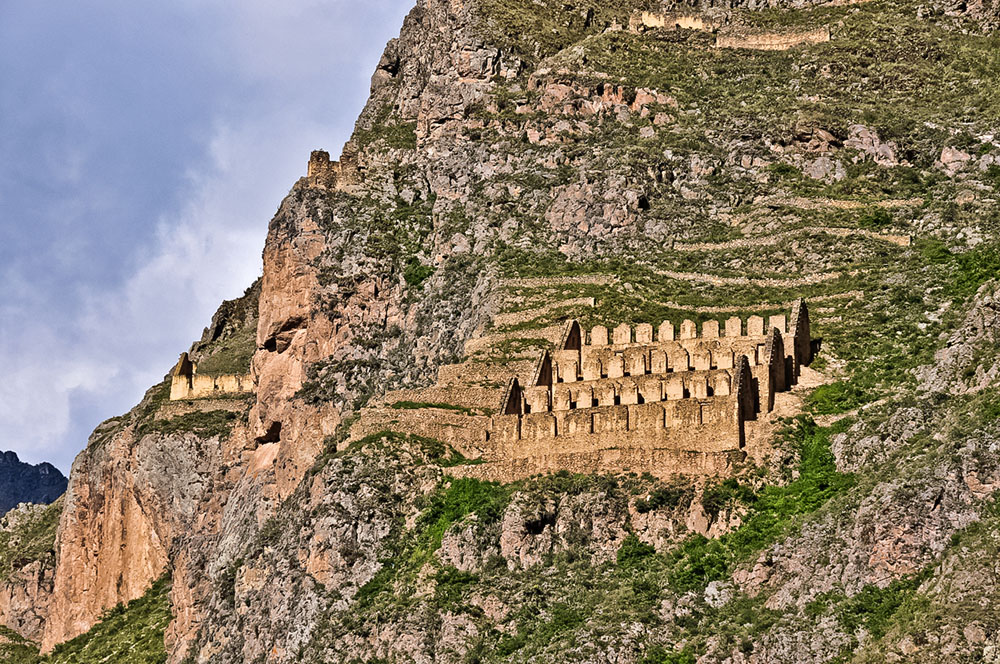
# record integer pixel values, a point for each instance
(519, 163)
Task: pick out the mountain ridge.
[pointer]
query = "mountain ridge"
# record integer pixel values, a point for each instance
(21, 482)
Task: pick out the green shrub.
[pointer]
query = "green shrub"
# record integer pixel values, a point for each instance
(873, 608)
(15, 649)
(561, 619)
(660, 655)
(634, 552)
(875, 219)
(784, 171)
(698, 562)
(726, 494)
(992, 176)
(460, 498)
(976, 267)
(989, 408)
(226, 584)
(668, 497)
(934, 250)
(416, 273)
(451, 585)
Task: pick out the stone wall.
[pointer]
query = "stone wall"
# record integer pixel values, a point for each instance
(659, 462)
(646, 20)
(772, 41)
(466, 433)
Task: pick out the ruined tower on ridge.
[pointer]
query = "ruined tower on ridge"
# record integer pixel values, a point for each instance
(341, 175)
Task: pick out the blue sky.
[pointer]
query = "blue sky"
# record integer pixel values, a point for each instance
(144, 146)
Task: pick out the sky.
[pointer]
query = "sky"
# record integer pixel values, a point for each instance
(144, 146)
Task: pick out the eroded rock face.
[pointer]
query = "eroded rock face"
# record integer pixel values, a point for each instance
(129, 498)
(291, 334)
(958, 367)
(26, 587)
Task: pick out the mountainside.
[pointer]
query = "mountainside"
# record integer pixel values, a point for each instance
(24, 483)
(519, 165)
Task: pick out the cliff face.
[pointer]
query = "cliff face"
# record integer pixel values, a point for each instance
(27, 566)
(521, 163)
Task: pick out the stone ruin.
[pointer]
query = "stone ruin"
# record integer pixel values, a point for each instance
(665, 401)
(640, 21)
(772, 41)
(342, 175)
(187, 383)
(728, 34)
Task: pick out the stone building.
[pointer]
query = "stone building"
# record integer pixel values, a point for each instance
(659, 400)
(187, 383)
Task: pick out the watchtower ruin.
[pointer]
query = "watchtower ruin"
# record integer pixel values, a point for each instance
(341, 175)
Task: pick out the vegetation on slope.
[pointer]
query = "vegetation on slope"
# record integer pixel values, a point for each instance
(33, 539)
(15, 649)
(127, 634)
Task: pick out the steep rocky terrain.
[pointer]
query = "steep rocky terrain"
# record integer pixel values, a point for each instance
(22, 482)
(515, 160)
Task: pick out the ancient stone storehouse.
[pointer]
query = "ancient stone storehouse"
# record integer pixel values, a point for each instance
(186, 383)
(659, 400)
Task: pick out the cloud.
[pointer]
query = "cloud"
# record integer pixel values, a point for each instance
(166, 182)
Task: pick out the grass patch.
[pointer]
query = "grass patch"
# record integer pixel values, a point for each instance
(206, 424)
(416, 405)
(15, 649)
(232, 355)
(392, 587)
(633, 552)
(838, 397)
(435, 451)
(873, 608)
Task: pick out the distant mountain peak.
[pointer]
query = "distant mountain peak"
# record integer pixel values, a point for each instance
(22, 482)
